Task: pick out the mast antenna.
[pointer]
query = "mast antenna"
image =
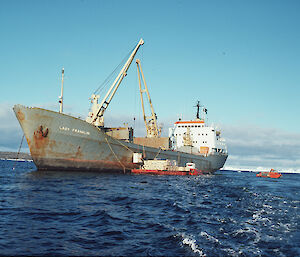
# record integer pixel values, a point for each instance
(62, 91)
(198, 107)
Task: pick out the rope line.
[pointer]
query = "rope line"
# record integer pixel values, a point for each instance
(19, 150)
(157, 153)
(115, 155)
(144, 153)
(124, 146)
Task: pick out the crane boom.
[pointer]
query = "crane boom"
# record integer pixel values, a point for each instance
(151, 123)
(96, 117)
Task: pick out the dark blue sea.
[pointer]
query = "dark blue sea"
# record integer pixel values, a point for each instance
(82, 213)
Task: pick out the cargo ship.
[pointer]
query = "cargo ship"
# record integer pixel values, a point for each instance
(58, 141)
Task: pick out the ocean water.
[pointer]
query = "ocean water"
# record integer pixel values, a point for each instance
(80, 213)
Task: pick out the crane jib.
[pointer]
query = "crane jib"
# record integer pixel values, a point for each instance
(98, 114)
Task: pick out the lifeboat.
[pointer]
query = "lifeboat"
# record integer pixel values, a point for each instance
(269, 174)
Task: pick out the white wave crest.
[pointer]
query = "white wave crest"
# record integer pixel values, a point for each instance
(209, 237)
(192, 244)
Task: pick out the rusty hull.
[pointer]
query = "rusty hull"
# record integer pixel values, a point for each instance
(61, 142)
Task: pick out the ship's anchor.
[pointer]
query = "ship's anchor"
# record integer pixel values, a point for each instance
(44, 133)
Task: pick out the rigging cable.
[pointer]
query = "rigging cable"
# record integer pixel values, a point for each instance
(109, 77)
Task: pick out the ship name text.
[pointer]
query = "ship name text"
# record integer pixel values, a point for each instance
(79, 131)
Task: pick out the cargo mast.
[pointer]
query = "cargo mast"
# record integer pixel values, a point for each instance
(151, 121)
(96, 116)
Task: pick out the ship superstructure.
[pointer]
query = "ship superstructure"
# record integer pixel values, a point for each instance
(195, 136)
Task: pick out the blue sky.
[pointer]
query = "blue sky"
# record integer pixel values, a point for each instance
(241, 59)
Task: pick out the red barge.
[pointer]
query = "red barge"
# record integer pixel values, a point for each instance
(192, 172)
(167, 167)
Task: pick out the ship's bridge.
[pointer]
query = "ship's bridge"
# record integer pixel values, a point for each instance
(196, 137)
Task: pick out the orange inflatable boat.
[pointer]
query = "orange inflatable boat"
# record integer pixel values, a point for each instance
(269, 174)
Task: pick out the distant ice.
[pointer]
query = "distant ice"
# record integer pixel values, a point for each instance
(17, 160)
(260, 169)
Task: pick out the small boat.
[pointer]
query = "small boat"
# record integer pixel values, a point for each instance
(269, 174)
